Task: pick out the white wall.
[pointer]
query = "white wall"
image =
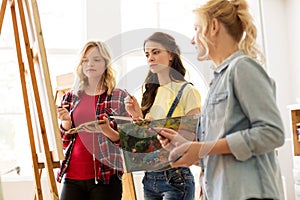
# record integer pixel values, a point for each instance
(292, 22)
(281, 27)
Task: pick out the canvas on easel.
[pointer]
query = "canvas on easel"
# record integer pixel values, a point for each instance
(40, 111)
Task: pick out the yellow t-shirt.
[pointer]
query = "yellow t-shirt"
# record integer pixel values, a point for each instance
(165, 96)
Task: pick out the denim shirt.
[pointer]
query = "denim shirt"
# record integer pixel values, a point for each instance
(241, 107)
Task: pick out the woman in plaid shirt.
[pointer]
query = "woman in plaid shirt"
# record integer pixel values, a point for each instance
(93, 165)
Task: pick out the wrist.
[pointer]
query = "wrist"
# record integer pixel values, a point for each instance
(66, 124)
(137, 118)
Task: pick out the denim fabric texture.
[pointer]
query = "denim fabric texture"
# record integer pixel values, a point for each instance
(170, 184)
(241, 107)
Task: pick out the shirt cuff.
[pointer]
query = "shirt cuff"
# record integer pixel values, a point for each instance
(238, 146)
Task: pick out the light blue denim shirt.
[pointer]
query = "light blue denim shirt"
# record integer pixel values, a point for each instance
(241, 107)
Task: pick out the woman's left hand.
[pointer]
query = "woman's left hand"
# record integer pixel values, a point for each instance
(188, 154)
(108, 131)
(170, 139)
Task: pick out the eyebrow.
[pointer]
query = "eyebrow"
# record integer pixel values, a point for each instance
(92, 57)
(155, 49)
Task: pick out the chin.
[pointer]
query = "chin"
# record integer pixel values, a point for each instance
(156, 69)
(202, 57)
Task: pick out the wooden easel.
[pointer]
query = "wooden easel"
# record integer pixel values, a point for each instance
(35, 112)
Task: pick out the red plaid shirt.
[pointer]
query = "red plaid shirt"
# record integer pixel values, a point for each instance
(110, 155)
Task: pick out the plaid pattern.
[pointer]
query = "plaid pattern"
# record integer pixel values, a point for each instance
(110, 155)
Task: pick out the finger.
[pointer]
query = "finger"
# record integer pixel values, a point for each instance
(169, 147)
(106, 119)
(170, 131)
(179, 151)
(161, 138)
(166, 134)
(178, 140)
(179, 163)
(133, 99)
(127, 98)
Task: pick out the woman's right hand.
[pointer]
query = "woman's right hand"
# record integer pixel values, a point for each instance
(132, 107)
(63, 114)
(65, 118)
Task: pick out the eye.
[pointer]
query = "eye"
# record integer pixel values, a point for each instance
(147, 55)
(97, 60)
(156, 52)
(84, 61)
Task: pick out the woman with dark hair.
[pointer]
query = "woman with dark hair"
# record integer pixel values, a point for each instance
(162, 84)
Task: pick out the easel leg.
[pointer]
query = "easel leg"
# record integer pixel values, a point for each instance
(2, 12)
(38, 192)
(128, 187)
(25, 81)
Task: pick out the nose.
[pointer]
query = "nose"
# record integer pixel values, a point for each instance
(90, 63)
(193, 40)
(150, 58)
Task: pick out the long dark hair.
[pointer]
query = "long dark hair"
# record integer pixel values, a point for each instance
(177, 70)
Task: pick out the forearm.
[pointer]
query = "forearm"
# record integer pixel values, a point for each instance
(215, 147)
(112, 134)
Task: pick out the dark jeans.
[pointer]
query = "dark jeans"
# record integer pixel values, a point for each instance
(88, 190)
(171, 184)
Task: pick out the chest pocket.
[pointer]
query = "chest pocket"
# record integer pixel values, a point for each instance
(217, 106)
(218, 98)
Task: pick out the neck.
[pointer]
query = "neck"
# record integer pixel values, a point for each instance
(163, 77)
(95, 87)
(163, 80)
(224, 46)
(224, 55)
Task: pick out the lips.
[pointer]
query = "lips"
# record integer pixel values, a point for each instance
(152, 65)
(90, 70)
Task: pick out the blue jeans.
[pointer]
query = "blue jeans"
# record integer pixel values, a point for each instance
(170, 184)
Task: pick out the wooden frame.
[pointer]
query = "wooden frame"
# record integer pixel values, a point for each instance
(37, 92)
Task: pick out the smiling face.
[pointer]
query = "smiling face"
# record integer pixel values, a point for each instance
(158, 58)
(93, 64)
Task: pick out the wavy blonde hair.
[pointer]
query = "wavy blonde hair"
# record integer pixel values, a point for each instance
(108, 77)
(237, 20)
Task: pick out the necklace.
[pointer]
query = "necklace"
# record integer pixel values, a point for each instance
(98, 91)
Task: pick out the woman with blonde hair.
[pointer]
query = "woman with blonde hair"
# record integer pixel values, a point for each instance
(241, 125)
(92, 168)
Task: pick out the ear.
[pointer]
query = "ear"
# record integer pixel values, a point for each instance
(215, 26)
(170, 57)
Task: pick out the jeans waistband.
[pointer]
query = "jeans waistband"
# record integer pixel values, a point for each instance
(166, 173)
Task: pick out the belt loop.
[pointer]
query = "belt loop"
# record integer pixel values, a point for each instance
(166, 174)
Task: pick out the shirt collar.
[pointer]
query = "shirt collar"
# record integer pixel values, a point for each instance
(226, 62)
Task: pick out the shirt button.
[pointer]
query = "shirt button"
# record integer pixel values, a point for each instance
(203, 132)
